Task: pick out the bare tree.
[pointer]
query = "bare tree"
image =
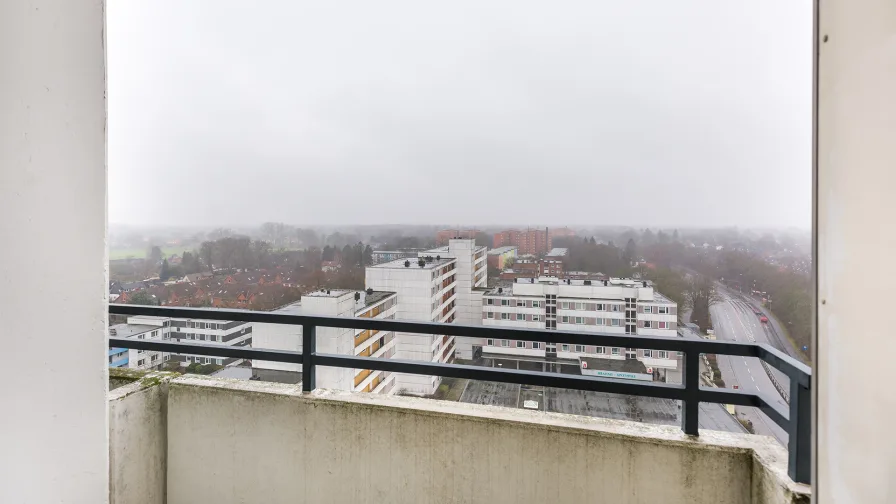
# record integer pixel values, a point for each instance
(699, 295)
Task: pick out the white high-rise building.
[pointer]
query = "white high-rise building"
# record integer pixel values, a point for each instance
(619, 306)
(471, 281)
(426, 289)
(332, 340)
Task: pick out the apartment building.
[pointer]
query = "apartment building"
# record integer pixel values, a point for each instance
(472, 278)
(179, 330)
(334, 340)
(553, 263)
(500, 257)
(615, 306)
(530, 241)
(426, 292)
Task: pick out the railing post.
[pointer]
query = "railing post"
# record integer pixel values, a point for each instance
(690, 405)
(309, 350)
(799, 433)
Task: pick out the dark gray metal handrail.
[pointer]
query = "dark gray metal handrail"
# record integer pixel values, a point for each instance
(796, 421)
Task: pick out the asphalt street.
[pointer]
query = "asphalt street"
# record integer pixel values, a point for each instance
(734, 320)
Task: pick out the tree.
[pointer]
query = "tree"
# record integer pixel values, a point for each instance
(631, 252)
(163, 273)
(368, 255)
(593, 241)
(675, 235)
(699, 295)
(142, 297)
(483, 239)
(206, 250)
(155, 254)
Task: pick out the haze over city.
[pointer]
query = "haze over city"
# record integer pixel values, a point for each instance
(646, 113)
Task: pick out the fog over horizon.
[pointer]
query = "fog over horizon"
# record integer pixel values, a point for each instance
(646, 113)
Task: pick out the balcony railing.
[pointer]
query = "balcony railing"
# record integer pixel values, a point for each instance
(796, 422)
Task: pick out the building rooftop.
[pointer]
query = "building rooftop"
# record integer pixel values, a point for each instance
(501, 250)
(366, 299)
(558, 252)
(128, 330)
(400, 263)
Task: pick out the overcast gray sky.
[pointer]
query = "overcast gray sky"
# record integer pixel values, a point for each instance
(638, 112)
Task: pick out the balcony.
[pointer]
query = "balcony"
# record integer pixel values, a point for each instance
(228, 441)
(183, 427)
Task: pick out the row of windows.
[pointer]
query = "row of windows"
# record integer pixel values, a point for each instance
(516, 302)
(514, 316)
(203, 337)
(204, 325)
(598, 321)
(568, 305)
(663, 310)
(659, 354)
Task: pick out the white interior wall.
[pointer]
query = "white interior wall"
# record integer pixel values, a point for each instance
(54, 427)
(856, 457)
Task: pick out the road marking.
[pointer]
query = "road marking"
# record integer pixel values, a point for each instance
(754, 379)
(748, 370)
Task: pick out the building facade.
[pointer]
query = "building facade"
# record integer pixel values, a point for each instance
(500, 257)
(333, 340)
(530, 241)
(553, 263)
(472, 278)
(426, 292)
(179, 330)
(617, 306)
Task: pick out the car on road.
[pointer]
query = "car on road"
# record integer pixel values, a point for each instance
(763, 319)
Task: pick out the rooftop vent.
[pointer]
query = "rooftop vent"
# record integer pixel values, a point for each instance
(328, 292)
(645, 283)
(369, 292)
(605, 283)
(500, 290)
(587, 282)
(438, 258)
(421, 262)
(357, 296)
(407, 264)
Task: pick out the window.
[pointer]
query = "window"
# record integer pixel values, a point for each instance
(490, 342)
(520, 316)
(599, 307)
(646, 353)
(580, 306)
(141, 362)
(661, 325)
(219, 362)
(648, 309)
(166, 335)
(580, 349)
(646, 324)
(201, 337)
(614, 351)
(154, 358)
(564, 319)
(505, 343)
(617, 308)
(490, 301)
(662, 354)
(520, 302)
(664, 309)
(154, 334)
(505, 316)
(537, 318)
(167, 357)
(564, 305)
(616, 322)
(580, 320)
(536, 345)
(490, 315)
(505, 302)
(536, 304)
(205, 360)
(521, 344)
(564, 348)
(600, 349)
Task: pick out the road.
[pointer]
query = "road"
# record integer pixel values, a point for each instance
(733, 319)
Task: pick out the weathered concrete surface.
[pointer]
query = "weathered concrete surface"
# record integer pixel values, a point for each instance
(138, 438)
(236, 441)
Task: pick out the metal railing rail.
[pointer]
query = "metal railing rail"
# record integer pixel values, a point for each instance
(796, 422)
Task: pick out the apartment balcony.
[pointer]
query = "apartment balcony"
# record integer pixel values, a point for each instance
(174, 437)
